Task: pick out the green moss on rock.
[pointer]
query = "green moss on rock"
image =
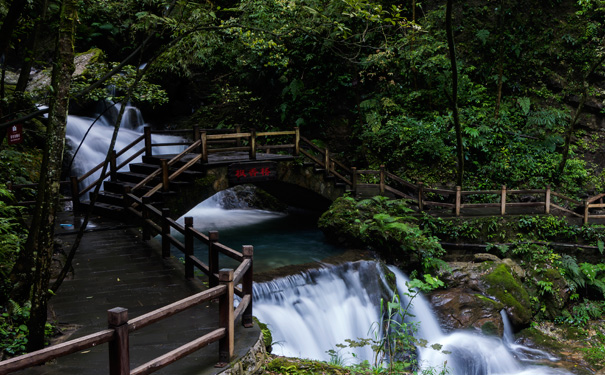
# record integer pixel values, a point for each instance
(503, 286)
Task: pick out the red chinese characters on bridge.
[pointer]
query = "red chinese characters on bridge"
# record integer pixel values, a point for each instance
(252, 172)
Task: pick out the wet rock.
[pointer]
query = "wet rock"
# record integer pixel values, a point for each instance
(478, 291)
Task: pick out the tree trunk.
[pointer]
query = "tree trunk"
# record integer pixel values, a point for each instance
(32, 45)
(454, 96)
(572, 124)
(9, 23)
(500, 28)
(40, 242)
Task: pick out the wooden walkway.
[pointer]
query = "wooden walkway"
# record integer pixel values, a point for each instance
(115, 268)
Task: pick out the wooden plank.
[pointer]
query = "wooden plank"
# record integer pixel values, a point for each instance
(559, 195)
(596, 197)
(241, 307)
(229, 252)
(566, 210)
(596, 216)
(599, 205)
(440, 204)
(178, 353)
(309, 143)
(173, 241)
(480, 192)
(401, 181)
(200, 236)
(227, 149)
(56, 351)
(241, 270)
(399, 193)
(526, 204)
(479, 205)
(200, 265)
(229, 136)
(283, 132)
(175, 308)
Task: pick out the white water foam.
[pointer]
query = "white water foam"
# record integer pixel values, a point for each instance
(310, 313)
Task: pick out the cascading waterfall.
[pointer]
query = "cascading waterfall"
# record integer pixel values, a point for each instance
(94, 148)
(311, 313)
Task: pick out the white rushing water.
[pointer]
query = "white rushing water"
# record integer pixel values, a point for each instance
(310, 313)
(97, 134)
(211, 214)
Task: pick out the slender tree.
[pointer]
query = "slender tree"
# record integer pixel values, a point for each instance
(32, 272)
(454, 96)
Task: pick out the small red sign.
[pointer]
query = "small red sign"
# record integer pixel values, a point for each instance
(241, 173)
(15, 134)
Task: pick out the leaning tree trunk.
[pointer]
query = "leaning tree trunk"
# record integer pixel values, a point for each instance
(454, 96)
(41, 237)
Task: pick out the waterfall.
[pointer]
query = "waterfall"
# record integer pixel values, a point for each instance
(94, 148)
(310, 313)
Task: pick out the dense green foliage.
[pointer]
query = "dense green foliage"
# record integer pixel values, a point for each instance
(384, 225)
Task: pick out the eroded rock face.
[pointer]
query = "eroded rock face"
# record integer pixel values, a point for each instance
(478, 291)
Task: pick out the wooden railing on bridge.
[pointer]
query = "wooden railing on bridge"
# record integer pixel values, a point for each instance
(209, 141)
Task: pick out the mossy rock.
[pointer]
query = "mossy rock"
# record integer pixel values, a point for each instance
(284, 365)
(267, 336)
(504, 287)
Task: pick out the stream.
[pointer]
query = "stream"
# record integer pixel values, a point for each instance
(310, 313)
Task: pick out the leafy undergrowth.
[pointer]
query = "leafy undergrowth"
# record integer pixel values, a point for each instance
(283, 365)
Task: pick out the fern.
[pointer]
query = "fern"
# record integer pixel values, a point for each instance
(572, 272)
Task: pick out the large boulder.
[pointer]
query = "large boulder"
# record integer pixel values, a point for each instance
(478, 291)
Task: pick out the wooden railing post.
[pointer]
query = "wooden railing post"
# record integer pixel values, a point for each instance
(248, 252)
(226, 344)
(547, 200)
(147, 133)
(503, 201)
(75, 193)
(354, 180)
(119, 356)
(238, 140)
(126, 198)
(458, 202)
(253, 144)
(381, 180)
(165, 175)
(188, 247)
(420, 196)
(113, 169)
(586, 207)
(165, 233)
(296, 141)
(145, 217)
(213, 258)
(197, 137)
(204, 146)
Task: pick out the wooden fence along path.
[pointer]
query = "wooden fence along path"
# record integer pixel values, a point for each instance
(224, 285)
(137, 201)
